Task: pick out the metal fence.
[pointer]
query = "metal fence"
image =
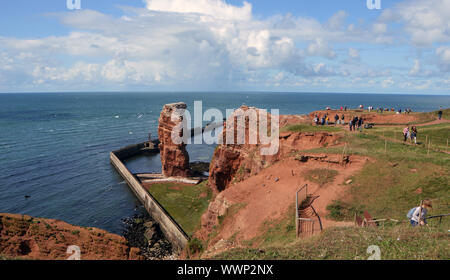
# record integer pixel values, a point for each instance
(307, 221)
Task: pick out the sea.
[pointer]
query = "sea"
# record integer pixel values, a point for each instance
(54, 147)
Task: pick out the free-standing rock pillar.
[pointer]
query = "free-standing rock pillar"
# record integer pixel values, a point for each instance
(174, 157)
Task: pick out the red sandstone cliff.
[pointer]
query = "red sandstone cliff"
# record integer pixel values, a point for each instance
(234, 162)
(26, 237)
(174, 157)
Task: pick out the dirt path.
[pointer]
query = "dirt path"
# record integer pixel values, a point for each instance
(268, 195)
(420, 124)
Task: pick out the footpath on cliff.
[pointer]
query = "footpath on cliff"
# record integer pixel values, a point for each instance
(254, 195)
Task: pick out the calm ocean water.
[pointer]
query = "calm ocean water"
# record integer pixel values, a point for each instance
(55, 147)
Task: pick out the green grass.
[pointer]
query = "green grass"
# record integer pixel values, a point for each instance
(185, 203)
(340, 211)
(397, 178)
(320, 176)
(434, 114)
(310, 128)
(437, 134)
(387, 186)
(351, 243)
(276, 232)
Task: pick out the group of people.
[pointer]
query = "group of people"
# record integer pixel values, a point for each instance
(324, 120)
(399, 111)
(410, 134)
(356, 123)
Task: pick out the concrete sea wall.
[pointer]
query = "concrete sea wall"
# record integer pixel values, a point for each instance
(173, 232)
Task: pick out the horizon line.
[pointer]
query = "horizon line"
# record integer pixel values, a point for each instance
(214, 92)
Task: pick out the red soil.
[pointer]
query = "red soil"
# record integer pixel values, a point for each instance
(26, 237)
(268, 195)
(372, 117)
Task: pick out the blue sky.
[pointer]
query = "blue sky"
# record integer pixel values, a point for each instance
(215, 45)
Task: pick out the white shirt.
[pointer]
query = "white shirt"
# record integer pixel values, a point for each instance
(415, 216)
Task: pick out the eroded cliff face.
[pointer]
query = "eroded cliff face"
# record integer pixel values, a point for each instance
(26, 237)
(232, 163)
(174, 157)
(232, 160)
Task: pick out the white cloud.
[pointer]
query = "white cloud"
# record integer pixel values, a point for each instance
(337, 20)
(416, 68)
(211, 44)
(353, 53)
(389, 82)
(321, 48)
(213, 8)
(443, 54)
(425, 21)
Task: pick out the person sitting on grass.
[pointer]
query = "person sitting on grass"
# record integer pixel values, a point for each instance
(417, 215)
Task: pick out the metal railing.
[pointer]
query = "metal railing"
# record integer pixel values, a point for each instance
(307, 221)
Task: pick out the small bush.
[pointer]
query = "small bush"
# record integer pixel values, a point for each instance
(195, 246)
(339, 210)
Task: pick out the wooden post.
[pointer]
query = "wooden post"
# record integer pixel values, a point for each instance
(446, 149)
(429, 144)
(385, 146)
(426, 141)
(296, 215)
(343, 152)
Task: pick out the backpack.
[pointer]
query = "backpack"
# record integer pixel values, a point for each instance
(411, 212)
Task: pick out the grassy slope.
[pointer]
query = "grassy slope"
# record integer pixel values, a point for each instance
(310, 128)
(438, 134)
(185, 203)
(351, 243)
(386, 188)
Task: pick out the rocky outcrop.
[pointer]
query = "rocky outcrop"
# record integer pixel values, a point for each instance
(236, 162)
(25, 237)
(230, 160)
(174, 157)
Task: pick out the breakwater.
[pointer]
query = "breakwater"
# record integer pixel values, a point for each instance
(171, 229)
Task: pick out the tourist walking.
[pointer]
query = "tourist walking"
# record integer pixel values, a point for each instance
(414, 134)
(354, 123)
(405, 133)
(440, 114)
(350, 124)
(336, 119)
(343, 119)
(360, 123)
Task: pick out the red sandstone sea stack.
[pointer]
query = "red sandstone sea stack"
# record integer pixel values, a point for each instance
(174, 157)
